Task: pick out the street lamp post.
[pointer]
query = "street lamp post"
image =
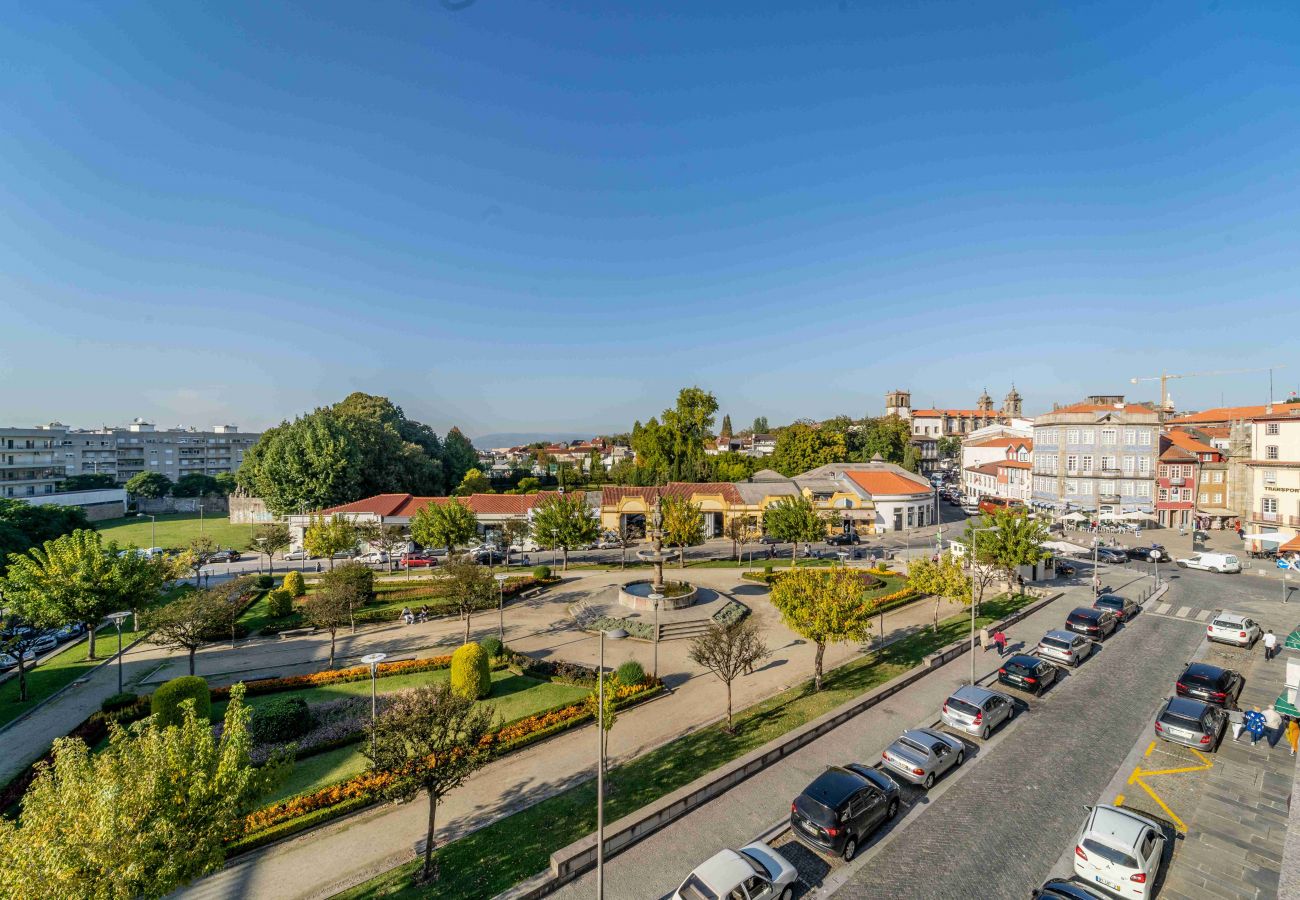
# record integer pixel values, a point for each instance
(655, 597)
(373, 660)
(117, 619)
(153, 528)
(501, 605)
(616, 634)
(974, 539)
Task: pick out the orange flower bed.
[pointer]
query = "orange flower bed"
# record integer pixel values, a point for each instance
(891, 598)
(336, 676)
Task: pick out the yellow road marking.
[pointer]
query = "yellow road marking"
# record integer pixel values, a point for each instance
(1150, 748)
(1139, 773)
(1119, 799)
(1178, 823)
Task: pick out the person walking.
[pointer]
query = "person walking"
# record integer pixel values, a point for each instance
(1270, 645)
(1254, 724)
(1273, 722)
(1000, 638)
(986, 640)
(1293, 734)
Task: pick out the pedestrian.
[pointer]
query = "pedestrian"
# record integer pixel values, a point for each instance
(406, 615)
(1270, 645)
(986, 639)
(1254, 724)
(1236, 721)
(1293, 734)
(1000, 638)
(1273, 722)
(1096, 584)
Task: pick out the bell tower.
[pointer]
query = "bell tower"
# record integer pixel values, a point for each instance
(1012, 404)
(985, 402)
(898, 403)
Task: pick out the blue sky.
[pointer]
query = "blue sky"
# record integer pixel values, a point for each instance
(550, 216)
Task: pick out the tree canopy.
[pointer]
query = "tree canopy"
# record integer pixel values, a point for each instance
(451, 525)
(823, 605)
(195, 484)
(888, 436)
(803, 447)
(88, 482)
(671, 448)
(23, 526)
(796, 520)
(150, 485)
(565, 522)
(683, 525)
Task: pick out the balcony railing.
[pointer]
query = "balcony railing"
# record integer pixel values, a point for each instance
(1268, 517)
(1111, 470)
(1293, 520)
(1177, 482)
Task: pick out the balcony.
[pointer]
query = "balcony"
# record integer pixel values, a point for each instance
(1111, 471)
(1177, 482)
(1275, 518)
(1109, 498)
(1293, 520)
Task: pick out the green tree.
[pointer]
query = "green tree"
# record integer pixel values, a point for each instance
(79, 578)
(513, 534)
(187, 623)
(459, 455)
(473, 482)
(470, 586)
(353, 584)
(329, 609)
(451, 524)
(803, 447)
(824, 606)
(225, 483)
(948, 447)
(430, 723)
(609, 687)
(760, 425)
(327, 536)
(725, 431)
(888, 436)
(732, 466)
(729, 651)
(23, 526)
(268, 540)
(389, 540)
(198, 554)
(528, 485)
(17, 643)
(195, 484)
(980, 559)
(796, 520)
(943, 580)
(741, 530)
(140, 817)
(689, 425)
(1016, 541)
(88, 482)
(683, 525)
(911, 458)
(564, 522)
(312, 462)
(149, 485)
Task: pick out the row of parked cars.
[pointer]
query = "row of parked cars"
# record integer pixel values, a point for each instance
(43, 642)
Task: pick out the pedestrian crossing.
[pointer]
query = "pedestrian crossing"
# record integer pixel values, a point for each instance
(1186, 613)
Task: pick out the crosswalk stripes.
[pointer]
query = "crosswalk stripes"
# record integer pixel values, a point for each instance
(1202, 615)
(1162, 608)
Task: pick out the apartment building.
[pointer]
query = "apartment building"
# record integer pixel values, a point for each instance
(1096, 456)
(1275, 476)
(29, 462)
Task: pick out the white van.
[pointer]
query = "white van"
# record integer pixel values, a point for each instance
(1210, 562)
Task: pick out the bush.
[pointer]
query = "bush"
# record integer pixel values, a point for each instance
(631, 672)
(166, 701)
(265, 582)
(471, 674)
(280, 719)
(117, 701)
(767, 570)
(732, 612)
(294, 584)
(492, 645)
(279, 603)
(542, 573)
(354, 576)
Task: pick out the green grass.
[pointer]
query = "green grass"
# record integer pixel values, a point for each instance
(670, 566)
(175, 530)
(492, 859)
(513, 697)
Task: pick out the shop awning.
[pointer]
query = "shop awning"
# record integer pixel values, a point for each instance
(1270, 537)
(1215, 511)
(1293, 544)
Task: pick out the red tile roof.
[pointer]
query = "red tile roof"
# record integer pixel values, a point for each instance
(1103, 407)
(1187, 442)
(406, 505)
(955, 413)
(885, 483)
(1003, 442)
(1016, 464)
(1221, 414)
(610, 496)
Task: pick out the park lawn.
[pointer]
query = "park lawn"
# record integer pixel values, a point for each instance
(175, 530)
(495, 858)
(670, 565)
(60, 671)
(513, 697)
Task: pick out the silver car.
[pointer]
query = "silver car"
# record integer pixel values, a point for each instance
(976, 710)
(1191, 723)
(921, 755)
(1065, 647)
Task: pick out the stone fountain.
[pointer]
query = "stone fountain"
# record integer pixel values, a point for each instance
(653, 594)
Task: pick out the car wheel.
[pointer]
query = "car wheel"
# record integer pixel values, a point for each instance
(1074, 663)
(893, 809)
(850, 849)
(787, 894)
(1214, 569)
(929, 781)
(984, 733)
(1014, 710)
(961, 757)
(1181, 565)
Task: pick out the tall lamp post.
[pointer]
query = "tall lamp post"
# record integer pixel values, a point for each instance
(117, 619)
(616, 634)
(501, 605)
(373, 660)
(655, 597)
(974, 540)
(153, 528)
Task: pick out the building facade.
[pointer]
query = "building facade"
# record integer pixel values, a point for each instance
(1001, 468)
(928, 426)
(1274, 507)
(29, 462)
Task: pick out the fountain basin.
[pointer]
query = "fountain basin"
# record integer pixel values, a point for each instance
(636, 595)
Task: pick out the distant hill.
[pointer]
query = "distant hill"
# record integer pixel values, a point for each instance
(518, 438)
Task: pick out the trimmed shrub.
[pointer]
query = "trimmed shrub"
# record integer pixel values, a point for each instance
(265, 582)
(279, 603)
(631, 672)
(471, 674)
(542, 573)
(294, 584)
(117, 701)
(767, 570)
(354, 576)
(166, 701)
(280, 719)
(492, 645)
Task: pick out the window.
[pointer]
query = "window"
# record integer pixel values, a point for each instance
(1205, 476)
(1268, 504)
(1164, 494)
(1270, 476)
(1126, 488)
(1218, 477)
(1271, 428)
(1187, 495)
(1072, 436)
(1109, 436)
(1087, 489)
(1144, 489)
(1218, 499)
(1130, 436)
(1071, 487)
(1087, 435)
(1106, 487)
(1144, 437)
(1187, 471)
(1087, 464)
(1164, 471)
(1129, 465)
(1109, 464)
(1144, 465)
(1270, 452)
(1072, 465)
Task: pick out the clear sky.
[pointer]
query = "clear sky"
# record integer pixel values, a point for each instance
(549, 216)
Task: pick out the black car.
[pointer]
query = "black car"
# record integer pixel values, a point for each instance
(1029, 673)
(844, 805)
(1210, 684)
(1067, 889)
(769, 539)
(224, 556)
(1095, 623)
(1064, 569)
(844, 539)
(1144, 554)
(1123, 608)
(1111, 555)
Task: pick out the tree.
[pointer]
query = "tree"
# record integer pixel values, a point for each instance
(683, 525)
(732, 466)
(79, 578)
(17, 644)
(513, 533)
(195, 484)
(725, 431)
(528, 485)
(389, 540)
(606, 719)
(473, 482)
(687, 427)
(911, 458)
(942, 580)
(23, 526)
(225, 483)
(823, 605)
(796, 520)
(268, 540)
(948, 447)
(565, 522)
(326, 537)
(979, 561)
(459, 456)
(470, 586)
(886, 436)
(88, 482)
(150, 485)
(451, 524)
(354, 585)
(803, 447)
(741, 530)
(729, 651)
(433, 739)
(623, 535)
(187, 623)
(198, 554)
(329, 608)
(141, 817)
(760, 425)
(1016, 541)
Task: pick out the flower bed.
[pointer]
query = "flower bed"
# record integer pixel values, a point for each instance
(733, 612)
(643, 631)
(336, 676)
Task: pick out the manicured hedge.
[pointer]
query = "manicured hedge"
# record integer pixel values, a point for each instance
(166, 700)
(280, 719)
(732, 612)
(471, 674)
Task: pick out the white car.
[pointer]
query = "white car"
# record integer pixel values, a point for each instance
(298, 554)
(754, 872)
(1119, 850)
(8, 661)
(1232, 628)
(374, 559)
(1210, 562)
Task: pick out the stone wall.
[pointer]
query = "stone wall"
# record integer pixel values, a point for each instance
(212, 505)
(248, 510)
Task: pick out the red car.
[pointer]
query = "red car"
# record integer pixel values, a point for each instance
(416, 560)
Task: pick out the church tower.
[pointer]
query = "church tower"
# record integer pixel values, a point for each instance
(898, 403)
(985, 403)
(1011, 405)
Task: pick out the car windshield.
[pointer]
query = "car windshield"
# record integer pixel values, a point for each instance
(1018, 668)
(1110, 854)
(694, 889)
(913, 745)
(815, 811)
(1082, 616)
(1231, 626)
(1055, 642)
(962, 706)
(1202, 679)
(754, 863)
(1110, 602)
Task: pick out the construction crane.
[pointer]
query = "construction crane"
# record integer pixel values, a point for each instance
(1166, 376)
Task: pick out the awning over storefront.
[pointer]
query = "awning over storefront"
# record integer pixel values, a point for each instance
(1291, 545)
(1271, 537)
(1215, 511)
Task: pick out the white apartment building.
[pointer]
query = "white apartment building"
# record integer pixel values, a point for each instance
(1275, 476)
(29, 462)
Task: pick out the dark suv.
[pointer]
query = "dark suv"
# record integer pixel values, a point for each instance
(1210, 684)
(844, 539)
(1095, 623)
(842, 807)
(1123, 608)
(1144, 554)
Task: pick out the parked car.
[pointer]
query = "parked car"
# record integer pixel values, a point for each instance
(1144, 554)
(345, 554)
(1211, 562)
(374, 559)
(977, 710)
(1029, 673)
(844, 539)
(1189, 722)
(755, 871)
(1119, 850)
(45, 643)
(1065, 647)
(1067, 889)
(1210, 684)
(224, 556)
(1111, 555)
(298, 555)
(607, 543)
(69, 631)
(921, 755)
(9, 661)
(417, 560)
(1095, 623)
(1123, 608)
(1064, 569)
(1232, 628)
(842, 807)
(769, 539)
